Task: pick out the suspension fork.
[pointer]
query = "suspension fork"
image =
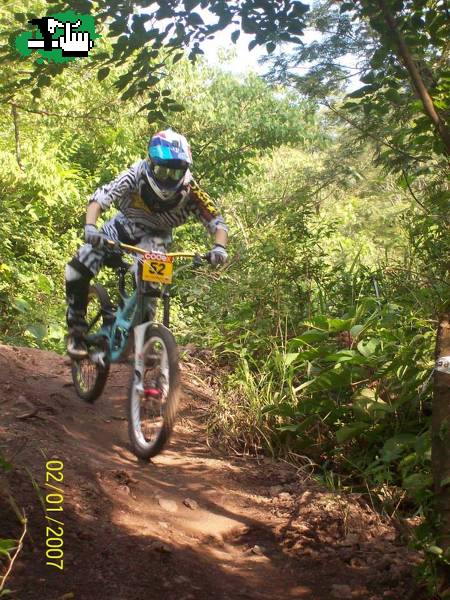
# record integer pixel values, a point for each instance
(152, 293)
(139, 366)
(166, 306)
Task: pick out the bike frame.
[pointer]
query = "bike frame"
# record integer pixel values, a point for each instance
(131, 315)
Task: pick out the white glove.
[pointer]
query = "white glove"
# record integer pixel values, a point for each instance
(93, 236)
(218, 255)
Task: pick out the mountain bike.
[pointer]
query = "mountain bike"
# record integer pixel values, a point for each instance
(115, 331)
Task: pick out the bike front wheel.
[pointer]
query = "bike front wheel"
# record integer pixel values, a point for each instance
(153, 401)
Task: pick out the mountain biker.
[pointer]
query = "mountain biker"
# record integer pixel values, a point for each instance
(153, 196)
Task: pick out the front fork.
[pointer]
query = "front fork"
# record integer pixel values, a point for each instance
(140, 331)
(166, 306)
(156, 294)
(139, 360)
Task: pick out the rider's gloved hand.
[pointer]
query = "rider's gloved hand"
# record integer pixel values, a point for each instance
(93, 236)
(218, 255)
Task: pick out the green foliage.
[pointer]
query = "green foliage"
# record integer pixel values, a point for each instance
(349, 392)
(228, 122)
(149, 45)
(386, 106)
(365, 30)
(7, 546)
(324, 318)
(60, 160)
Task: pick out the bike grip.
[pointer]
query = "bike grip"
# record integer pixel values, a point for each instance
(197, 260)
(110, 243)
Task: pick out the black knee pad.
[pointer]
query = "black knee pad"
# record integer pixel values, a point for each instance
(77, 291)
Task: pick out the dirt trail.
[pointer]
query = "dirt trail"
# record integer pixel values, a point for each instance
(192, 524)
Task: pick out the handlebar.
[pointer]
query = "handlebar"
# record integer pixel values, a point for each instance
(135, 249)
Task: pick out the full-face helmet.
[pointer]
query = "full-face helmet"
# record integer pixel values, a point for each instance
(165, 168)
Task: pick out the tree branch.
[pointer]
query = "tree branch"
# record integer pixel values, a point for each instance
(368, 133)
(12, 560)
(46, 113)
(405, 177)
(416, 78)
(15, 117)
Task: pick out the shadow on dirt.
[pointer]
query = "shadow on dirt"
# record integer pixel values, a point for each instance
(128, 534)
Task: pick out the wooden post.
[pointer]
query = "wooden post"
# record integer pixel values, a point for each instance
(440, 444)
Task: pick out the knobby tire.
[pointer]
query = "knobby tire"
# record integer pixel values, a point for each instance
(143, 447)
(100, 374)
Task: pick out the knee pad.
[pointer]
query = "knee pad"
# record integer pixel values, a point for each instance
(76, 270)
(71, 274)
(78, 279)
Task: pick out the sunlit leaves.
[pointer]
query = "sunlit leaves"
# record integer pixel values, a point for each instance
(7, 546)
(37, 330)
(361, 31)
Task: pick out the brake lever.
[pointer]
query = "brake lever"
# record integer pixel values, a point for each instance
(199, 258)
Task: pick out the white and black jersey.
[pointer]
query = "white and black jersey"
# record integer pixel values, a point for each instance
(123, 193)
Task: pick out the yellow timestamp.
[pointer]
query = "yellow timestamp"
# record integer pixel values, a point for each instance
(54, 500)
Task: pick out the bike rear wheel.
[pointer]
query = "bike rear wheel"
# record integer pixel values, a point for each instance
(89, 374)
(153, 402)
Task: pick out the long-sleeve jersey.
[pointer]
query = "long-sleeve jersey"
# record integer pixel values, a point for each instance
(123, 193)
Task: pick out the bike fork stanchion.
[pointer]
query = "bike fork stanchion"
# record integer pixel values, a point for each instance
(139, 340)
(166, 307)
(138, 377)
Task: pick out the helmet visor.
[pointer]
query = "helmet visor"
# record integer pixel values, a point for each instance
(166, 174)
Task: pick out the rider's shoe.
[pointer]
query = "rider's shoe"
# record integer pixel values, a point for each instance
(76, 346)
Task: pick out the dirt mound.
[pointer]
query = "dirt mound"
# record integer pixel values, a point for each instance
(190, 525)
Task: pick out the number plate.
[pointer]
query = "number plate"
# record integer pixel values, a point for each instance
(157, 268)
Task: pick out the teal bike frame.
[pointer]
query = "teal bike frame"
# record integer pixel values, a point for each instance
(134, 310)
(131, 326)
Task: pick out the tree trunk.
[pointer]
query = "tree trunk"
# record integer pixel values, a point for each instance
(416, 78)
(440, 442)
(15, 117)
